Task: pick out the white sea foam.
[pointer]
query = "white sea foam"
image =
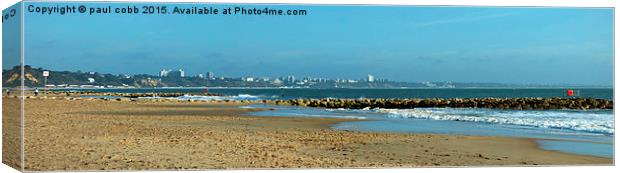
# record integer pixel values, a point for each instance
(588, 121)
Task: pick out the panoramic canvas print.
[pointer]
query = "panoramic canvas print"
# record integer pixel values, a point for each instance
(196, 86)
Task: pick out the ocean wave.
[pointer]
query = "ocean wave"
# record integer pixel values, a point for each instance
(575, 120)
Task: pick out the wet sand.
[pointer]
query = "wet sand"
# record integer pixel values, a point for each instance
(136, 135)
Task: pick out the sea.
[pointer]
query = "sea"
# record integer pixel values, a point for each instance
(585, 132)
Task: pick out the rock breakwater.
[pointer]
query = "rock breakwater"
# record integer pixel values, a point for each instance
(498, 103)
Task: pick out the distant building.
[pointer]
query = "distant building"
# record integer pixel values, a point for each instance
(264, 79)
(429, 84)
(176, 74)
(200, 76)
(173, 74)
(248, 79)
(290, 79)
(210, 75)
(370, 78)
(91, 80)
(277, 81)
(163, 73)
(124, 76)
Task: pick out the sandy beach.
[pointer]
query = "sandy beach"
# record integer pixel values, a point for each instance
(96, 134)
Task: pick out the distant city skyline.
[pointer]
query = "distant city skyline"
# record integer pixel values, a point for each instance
(180, 73)
(176, 78)
(401, 43)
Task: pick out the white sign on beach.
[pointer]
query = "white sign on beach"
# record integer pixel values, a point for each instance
(46, 73)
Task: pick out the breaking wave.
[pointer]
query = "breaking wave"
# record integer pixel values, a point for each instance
(588, 121)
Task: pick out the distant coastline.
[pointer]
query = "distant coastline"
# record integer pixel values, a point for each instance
(177, 80)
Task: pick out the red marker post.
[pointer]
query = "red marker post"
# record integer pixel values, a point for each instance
(570, 93)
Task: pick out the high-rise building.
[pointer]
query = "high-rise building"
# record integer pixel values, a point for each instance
(176, 74)
(370, 78)
(210, 75)
(163, 73)
(290, 79)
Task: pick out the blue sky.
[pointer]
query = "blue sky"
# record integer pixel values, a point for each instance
(404, 43)
(11, 37)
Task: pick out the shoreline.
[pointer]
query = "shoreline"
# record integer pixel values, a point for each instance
(538, 143)
(532, 139)
(159, 135)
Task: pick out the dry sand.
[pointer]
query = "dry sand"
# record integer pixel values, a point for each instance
(122, 135)
(11, 132)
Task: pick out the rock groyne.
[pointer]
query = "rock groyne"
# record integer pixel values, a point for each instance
(497, 103)
(494, 103)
